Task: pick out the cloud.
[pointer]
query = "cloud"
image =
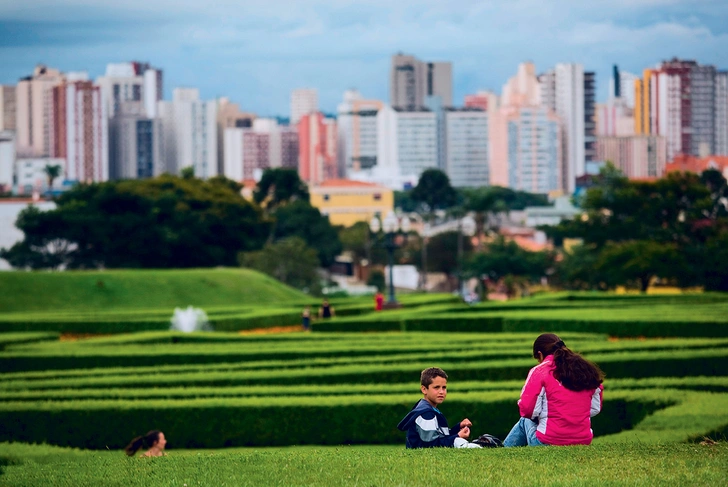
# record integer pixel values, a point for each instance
(256, 52)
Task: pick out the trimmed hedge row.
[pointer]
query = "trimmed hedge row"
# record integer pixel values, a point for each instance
(706, 384)
(616, 365)
(505, 323)
(220, 423)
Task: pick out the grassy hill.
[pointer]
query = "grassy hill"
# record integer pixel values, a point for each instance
(139, 289)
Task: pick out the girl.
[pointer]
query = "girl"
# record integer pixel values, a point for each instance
(560, 396)
(154, 440)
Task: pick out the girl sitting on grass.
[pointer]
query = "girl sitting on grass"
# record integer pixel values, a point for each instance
(561, 395)
(154, 441)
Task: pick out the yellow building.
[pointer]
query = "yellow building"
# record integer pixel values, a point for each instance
(642, 104)
(347, 202)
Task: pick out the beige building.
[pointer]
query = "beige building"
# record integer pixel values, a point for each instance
(347, 202)
(33, 111)
(8, 108)
(229, 115)
(637, 156)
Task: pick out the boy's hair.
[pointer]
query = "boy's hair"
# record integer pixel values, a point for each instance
(428, 375)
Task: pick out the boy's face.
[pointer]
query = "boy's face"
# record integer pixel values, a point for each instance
(436, 392)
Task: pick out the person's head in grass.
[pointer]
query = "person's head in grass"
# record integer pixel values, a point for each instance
(433, 384)
(153, 440)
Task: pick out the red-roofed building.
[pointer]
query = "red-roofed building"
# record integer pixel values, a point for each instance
(688, 163)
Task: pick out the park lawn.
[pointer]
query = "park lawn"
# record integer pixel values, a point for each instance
(140, 289)
(617, 464)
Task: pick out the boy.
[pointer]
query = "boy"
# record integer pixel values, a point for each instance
(425, 425)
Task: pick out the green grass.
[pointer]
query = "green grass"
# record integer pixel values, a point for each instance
(619, 464)
(140, 289)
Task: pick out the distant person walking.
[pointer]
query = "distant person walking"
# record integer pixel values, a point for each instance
(326, 310)
(378, 301)
(154, 441)
(561, 395)
(306, 318)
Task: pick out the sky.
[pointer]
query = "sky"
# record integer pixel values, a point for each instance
(256, 52)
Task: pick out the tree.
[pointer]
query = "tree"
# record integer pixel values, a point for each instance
(288, 260)
(502, 258)
(578, 269)
(638, 262)
(152, 223)
(300, 219)
(52, 172)
(434, 192)
(280, 186)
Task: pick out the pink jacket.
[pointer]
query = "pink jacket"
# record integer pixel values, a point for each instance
(563, 416)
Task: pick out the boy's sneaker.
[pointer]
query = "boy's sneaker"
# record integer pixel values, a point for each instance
(488, 441)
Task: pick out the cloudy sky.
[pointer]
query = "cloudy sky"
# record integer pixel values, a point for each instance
(256, 52)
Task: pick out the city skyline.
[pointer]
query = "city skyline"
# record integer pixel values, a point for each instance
(256, 54)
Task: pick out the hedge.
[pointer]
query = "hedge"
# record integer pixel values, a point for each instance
(216, 423)
(615, 365)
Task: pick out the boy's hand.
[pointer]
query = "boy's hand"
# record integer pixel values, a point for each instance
(466, 422)
(464, 433)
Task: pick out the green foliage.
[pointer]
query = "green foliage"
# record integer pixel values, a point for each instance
(288, 260)
(441, 252)
(279, 186)
(433, 191)
(490, 199)
(638, 262)
(152, 223)
(376, 278)
(300, 219)
(52, 172)
(502, 258)
(355, 239)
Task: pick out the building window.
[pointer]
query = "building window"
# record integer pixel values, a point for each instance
(377, 196)
(326, 197)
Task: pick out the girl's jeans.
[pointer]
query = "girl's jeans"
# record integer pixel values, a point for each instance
(523, 434)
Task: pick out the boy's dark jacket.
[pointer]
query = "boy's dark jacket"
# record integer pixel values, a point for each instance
(426, 427)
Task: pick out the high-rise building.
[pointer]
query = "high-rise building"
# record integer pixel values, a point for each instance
(249, 151)
(621, 85)
(525, 135)
(614, 119)
(303, 102)
(317, 148)
(357, 133)
(131, 82)
(79, 131)
(33, 99)
(569, 92)
(7, 160)
(8, 108)
(135, 143)
(481, 99)
(467, 161)
(534, 159)
(678, 100)
(411, 80)
(229, 116)
(189, 127)
(721, 113)
(637, 156)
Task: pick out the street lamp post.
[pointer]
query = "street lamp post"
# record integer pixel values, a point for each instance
(391, 226)
(466, 226)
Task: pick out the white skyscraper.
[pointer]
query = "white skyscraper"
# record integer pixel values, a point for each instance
(303, 102)
(568, 92)
(131, 82)
(467, 159)
(189, 133)
(248, 151)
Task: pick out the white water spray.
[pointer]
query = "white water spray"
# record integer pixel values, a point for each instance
(189, 320)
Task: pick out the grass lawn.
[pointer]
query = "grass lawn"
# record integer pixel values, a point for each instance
(140, 289)
(620, 464)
